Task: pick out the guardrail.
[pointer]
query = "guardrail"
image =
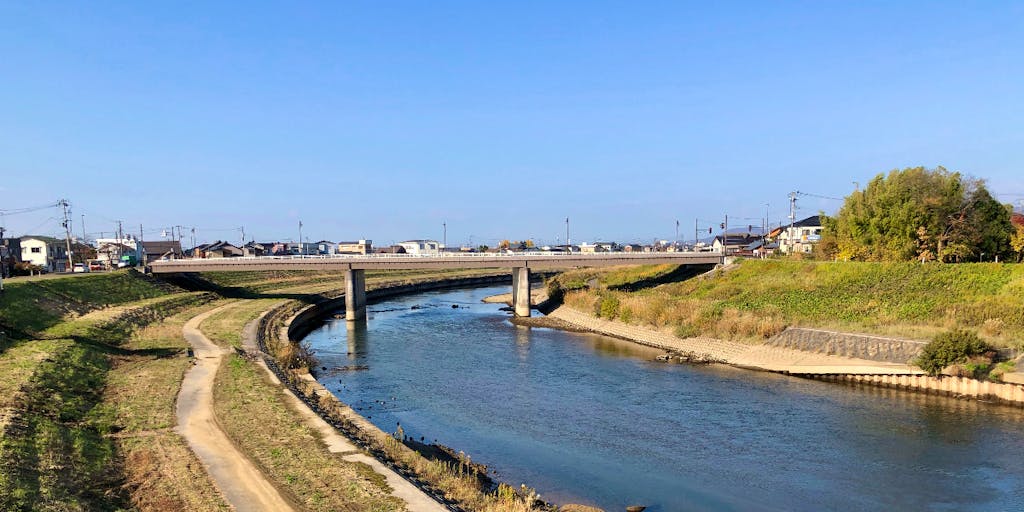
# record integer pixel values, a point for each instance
(574, 255)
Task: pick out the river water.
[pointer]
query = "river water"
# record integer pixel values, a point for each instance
(590, 419)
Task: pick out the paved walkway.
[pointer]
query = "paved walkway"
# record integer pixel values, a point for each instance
(415, 499)
(244, 486)
(759, 357)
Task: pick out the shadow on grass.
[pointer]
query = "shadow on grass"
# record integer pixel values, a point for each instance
(681, 273)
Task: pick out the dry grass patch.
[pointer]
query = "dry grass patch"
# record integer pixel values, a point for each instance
(288, 451)
(161, 473)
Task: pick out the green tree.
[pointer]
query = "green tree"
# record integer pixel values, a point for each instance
(920, 214)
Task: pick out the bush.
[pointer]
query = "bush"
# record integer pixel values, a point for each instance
(608, 307)
(948, 348)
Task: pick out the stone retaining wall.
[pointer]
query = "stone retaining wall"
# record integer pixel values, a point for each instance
(861, 346)
(1012, 394)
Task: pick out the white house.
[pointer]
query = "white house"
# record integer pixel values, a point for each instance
(49, 253)
(110, 250)
(801, 236)
(421, 247)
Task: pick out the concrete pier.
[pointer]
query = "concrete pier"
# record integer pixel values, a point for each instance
(521, 291)
(355, 295)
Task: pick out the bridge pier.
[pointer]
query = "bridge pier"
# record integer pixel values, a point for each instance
(521, 291)
(355, 295)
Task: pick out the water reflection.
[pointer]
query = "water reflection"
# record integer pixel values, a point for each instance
(356, 336)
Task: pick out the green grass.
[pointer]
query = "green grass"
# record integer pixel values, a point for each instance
(759, 297)
(33, 306)
(59, 449)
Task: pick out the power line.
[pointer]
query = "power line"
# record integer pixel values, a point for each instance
(30, 209)
(808, 194)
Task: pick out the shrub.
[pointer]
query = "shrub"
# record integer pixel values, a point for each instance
(686, 331)
(950, 347)
(608, 307)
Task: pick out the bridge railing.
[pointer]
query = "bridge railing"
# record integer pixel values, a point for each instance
(648, 255)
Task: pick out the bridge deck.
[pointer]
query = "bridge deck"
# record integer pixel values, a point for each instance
(407, 261)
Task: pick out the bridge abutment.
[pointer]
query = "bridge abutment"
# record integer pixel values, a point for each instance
(355, 295)
(521, 291)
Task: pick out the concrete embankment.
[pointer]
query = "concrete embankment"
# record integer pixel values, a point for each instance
(290, 323)
(824, 360)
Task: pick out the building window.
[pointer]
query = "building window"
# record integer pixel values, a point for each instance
(37, 250)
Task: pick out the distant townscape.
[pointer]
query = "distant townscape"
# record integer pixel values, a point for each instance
(41, 254)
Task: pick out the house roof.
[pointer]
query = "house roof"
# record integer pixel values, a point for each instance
(161, 247)
(1017, 219)
(738, 239)
(814, 220)
(46, 239)
(221, 245)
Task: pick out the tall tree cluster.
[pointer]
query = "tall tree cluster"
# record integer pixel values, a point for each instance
(920, 214)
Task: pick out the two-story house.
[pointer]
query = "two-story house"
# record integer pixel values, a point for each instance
(46, 252)
(801, 236)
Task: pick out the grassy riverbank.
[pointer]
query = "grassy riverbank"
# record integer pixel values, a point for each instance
(85, 425)
(755, 299)
(92, 367)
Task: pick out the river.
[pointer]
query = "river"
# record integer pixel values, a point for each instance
(589, 419)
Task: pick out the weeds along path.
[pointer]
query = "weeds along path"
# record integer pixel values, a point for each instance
(416, 500)
(244, 486)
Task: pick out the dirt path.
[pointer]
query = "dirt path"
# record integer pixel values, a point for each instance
(244, 487)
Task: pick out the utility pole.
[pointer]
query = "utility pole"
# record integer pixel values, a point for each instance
(444, 240)
(120, 241)
(725, 236)
(792, 219)
(300, 238)
(67, 232)
(3, 265)
(83, 228)
(243, 234)
(193, 241)
(568, 244)
(140, 253)
(677, 233)
(696, 236)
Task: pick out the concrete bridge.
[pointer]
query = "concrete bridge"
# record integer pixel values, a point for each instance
(355, 267)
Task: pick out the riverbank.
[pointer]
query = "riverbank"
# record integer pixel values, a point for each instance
(461, 486)
(808, 353)
(549, 408)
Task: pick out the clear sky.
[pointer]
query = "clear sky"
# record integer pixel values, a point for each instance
(384, 120)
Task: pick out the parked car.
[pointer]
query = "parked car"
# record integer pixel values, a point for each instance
(80, 267)
(95, 265)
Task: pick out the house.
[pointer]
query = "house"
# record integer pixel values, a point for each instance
(633, 248)
(220, 249)
(734, 242)
(801, 236)
(325, 247)
(10, 250)
(357, 247)
(161, 250)
(421, 247)
(391, 249)
(44, 251)
(268, 249)
(599, 247)
(254, 249)
(112, 250)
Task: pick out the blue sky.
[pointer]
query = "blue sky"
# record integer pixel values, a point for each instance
(384, 120)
